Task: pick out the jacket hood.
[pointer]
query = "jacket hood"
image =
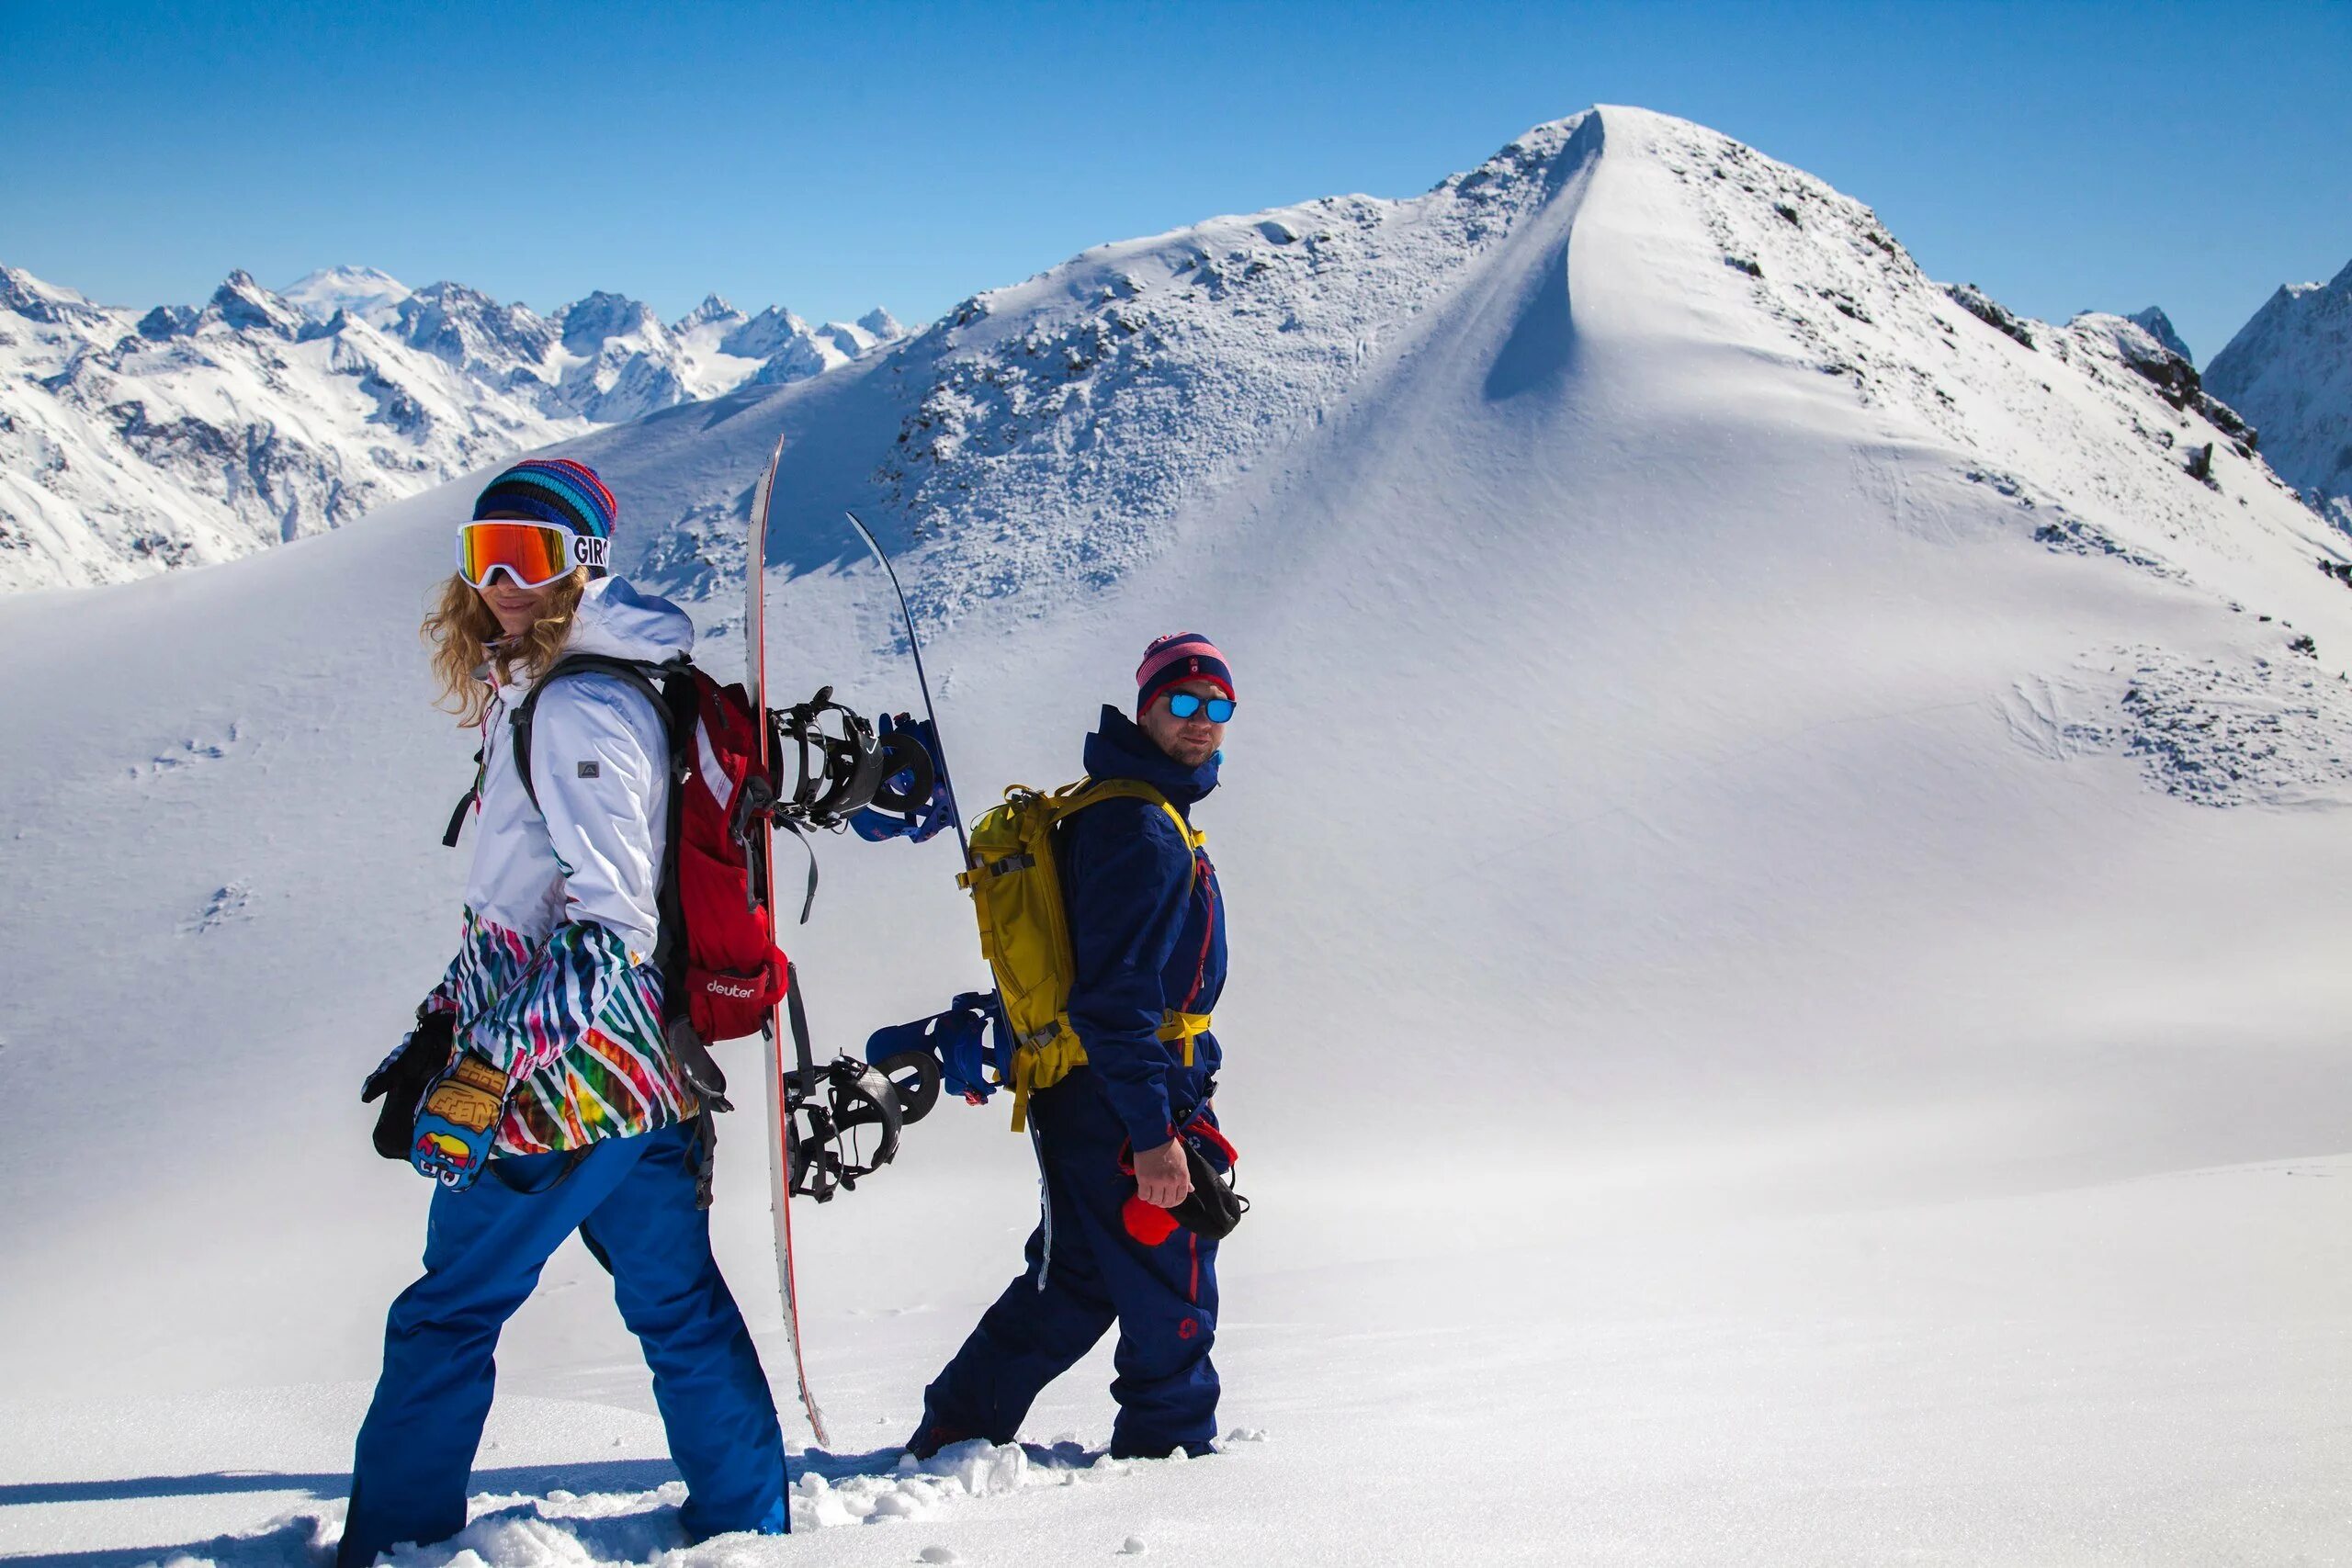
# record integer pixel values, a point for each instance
(1120, 749)
(616, 620)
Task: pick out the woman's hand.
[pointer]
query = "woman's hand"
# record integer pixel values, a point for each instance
(1163, 1178)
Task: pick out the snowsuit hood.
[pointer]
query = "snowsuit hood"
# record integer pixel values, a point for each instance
(616, 620)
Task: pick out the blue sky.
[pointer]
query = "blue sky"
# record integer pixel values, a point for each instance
(2064, 157)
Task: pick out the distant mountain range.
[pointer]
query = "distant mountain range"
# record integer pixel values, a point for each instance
(134, 442)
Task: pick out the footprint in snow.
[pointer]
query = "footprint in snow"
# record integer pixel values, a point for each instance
(228, 903)
(192, 751)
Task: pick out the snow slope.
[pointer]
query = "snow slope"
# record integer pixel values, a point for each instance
(131, 444)
(2290, 369)
(1785, 871)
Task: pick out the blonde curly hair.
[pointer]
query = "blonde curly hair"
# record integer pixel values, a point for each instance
(470, 650)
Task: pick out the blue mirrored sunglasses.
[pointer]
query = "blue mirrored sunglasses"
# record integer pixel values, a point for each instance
(1184, 705)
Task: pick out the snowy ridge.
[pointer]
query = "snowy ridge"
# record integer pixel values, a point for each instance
(1054, 423)
(131, 444)
(2289, 368)
(1785, 855)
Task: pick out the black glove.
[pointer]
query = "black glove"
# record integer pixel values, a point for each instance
(400, 1080)
(1213, 1208)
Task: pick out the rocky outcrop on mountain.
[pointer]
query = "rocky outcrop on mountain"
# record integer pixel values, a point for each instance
(1989, 310)
(2168, 370)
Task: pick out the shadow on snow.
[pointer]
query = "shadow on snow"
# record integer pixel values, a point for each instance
(290, 1544)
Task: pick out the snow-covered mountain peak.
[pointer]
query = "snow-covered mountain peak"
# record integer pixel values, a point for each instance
(1536, 149)
(1079, 409)
(245, 306)
(760, 336)
(1071, 417)
(2157, 325)
(470, 332)
(24, 295)
(365, 292)
(2290, 370)
(711, 312)
(848, 337)
(589, 324)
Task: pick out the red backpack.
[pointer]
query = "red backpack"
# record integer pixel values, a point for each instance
(721, 970)
(723, 976)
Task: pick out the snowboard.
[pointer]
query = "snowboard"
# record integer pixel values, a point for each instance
(778, 1073)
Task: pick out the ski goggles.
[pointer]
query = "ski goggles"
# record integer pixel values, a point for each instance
(531, 554)
(1184, 705)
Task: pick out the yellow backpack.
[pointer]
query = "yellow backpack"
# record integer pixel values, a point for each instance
(1025, 936)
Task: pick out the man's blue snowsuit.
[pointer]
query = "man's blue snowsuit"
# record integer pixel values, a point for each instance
(1148, 936)
(633, 1201)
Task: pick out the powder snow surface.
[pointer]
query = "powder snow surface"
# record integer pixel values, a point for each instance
(1787, 911)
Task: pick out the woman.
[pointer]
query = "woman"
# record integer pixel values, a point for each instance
(535, 1087)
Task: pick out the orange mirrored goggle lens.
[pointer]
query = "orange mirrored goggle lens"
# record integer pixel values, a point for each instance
(533, 553)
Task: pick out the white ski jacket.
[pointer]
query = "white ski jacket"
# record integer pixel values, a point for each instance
(554, 980)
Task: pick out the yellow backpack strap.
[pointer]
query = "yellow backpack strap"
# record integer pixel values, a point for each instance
(1180, 1029)
(1087, 791)
(1046, 1062)
(1177, 1029)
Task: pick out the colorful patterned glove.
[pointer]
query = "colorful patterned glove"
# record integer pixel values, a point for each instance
(458, 1120)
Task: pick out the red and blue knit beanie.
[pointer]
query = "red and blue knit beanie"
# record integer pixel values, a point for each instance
(553, 489)
(1172, 660)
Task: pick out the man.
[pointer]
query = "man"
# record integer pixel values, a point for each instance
(1147, 940)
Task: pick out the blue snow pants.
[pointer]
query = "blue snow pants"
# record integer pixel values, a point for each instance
(633, 1199)
(1085, 1273)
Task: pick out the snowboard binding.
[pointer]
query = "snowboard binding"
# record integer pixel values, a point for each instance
(842, 770)
(844, 1127)
(844, 766)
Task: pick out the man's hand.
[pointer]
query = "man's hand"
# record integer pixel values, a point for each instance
(1163, 1178)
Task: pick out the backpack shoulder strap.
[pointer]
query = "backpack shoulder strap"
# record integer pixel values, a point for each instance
(466, 803)
(678, 703)
(640, 673)
(1091, 792)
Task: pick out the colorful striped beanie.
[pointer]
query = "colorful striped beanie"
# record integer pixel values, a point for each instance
(1172, 660)
(553, 489)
